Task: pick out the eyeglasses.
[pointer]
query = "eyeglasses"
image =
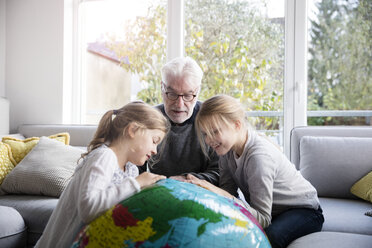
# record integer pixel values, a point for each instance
(186, 98)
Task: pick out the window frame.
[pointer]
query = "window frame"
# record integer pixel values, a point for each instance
(72, 63)
(295, 71)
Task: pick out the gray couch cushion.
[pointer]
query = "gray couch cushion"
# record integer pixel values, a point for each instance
(332, 131)
(80, 135)
(35, 211)
(332, 240)
(13, 231)
(346, 215)
(334, 164)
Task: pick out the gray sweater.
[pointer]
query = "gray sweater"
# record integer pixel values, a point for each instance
(269, 181)
(182, 153)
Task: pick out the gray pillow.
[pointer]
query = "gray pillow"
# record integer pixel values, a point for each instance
(334, 164)
(46, 169)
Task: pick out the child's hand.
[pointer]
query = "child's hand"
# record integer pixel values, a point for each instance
(148, 178)
(207, 185)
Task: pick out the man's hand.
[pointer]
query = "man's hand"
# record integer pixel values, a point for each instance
(179, 178)
(207, 185)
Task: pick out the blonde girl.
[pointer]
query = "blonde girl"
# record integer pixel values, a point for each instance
(283, 202)
(104, 177)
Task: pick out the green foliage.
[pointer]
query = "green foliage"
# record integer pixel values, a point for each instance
(340, 70)
(240, 52)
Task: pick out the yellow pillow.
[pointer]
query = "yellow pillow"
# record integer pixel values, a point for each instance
(363, 187)
(6, 164)
(20, 148)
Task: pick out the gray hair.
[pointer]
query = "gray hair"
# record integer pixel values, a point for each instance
(182, 67)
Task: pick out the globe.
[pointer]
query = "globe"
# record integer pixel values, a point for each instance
(174, 214)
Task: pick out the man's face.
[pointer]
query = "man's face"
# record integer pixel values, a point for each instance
(179, 110)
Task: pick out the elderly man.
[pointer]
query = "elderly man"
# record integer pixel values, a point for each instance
(182, 154)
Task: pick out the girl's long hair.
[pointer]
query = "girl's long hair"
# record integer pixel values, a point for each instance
(114, 123)
(217, 110)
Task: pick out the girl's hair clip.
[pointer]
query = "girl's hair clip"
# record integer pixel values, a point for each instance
(115, 111)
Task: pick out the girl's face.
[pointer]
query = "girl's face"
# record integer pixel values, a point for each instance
(144, 145)
(223, 139)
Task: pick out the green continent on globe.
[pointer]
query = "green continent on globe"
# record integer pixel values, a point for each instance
(165, 206)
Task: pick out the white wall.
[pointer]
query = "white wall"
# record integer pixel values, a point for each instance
(2, 47)
(34, 61)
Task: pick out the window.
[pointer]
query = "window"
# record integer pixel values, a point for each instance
(107, 79)
(291, 63)
(339, 65)
(238, 44)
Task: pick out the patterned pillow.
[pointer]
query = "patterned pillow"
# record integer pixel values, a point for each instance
(6, 164)
(20, 147)
(46, 170)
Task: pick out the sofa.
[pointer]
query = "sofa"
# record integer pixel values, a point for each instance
(331, 158)
(24, 216)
